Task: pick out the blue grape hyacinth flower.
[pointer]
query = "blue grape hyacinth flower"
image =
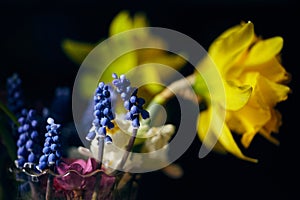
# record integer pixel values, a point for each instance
(132, 103)
(28, 143)
(103, 113)
(52, 147)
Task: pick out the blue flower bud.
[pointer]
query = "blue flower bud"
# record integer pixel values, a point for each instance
(55, 139)
(107, 139)
(20, 129)
(51, 159)
(43, 158)
(140, 101)
(50, 121)
(104, 121)
(90, 136)
(106, 111)
(31, 113)
(22, 152)
(110, 125)
(116, 82)
(31, 158)
(97, 113)
(19, 143)
(47, 144)
(134, 110)
(48, 139)
(114, 75)
(53, 147)
(106, 93)
(135, 122)
(102, 131)
(23, 138)
(96, 122)
(129, 116)
(101, 85)
(20, 162)
(42, 166)
(29, 145)
(21, 120)
(34, 135)
(34, 123)
(26, 127)
(127, 105)
(46, 150)
(145, 114)
(133, 99)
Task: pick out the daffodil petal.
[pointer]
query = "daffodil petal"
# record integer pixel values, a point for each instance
(272, 126)
(76, 51)
(203, 123)
(121, 65)
(236, 96)
(224, 138)
(271, 92)
(266, 93)
(121, 22)
(231, 30)
(140, 20)
(161, 57)
(248, 120)
(272, 69)
(230, 145)
(226, 50)
(264, 50)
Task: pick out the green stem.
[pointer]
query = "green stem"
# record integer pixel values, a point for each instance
(168, 93)
(9, 113)
(128, 148)
(8, 142)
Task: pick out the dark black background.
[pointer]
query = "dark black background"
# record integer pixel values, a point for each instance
(31, 34)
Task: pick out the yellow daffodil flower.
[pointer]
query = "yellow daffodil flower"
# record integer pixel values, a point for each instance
(77, 52)
(254, 82)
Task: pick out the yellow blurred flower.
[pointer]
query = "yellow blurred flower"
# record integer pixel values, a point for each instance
(77, 52)
(254, 82)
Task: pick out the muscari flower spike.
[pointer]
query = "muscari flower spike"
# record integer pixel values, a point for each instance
(29, 139)
(15, 100)
(132, 103)
(52, 146)
(103, 113)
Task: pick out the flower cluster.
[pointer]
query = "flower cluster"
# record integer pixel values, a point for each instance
(52, 147)
(132, 103)
(29, 140)
(103, 114)
(253, 82)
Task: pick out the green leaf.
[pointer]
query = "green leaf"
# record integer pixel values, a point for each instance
(8, 141)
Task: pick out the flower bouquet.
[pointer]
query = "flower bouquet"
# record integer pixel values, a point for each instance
(118, 106)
